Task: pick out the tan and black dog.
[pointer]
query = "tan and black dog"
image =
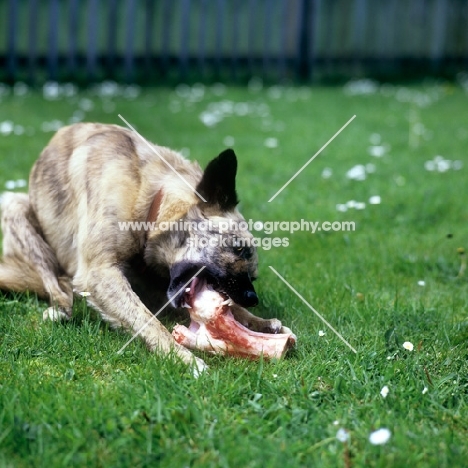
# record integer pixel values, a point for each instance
(66, 236)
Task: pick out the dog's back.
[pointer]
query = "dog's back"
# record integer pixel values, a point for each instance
(92, 176)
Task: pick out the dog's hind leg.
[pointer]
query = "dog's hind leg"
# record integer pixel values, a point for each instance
(29, 264)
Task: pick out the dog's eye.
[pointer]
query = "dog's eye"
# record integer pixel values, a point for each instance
(239, 250)
(243, 252)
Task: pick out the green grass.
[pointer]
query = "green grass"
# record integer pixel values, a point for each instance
(67, 398)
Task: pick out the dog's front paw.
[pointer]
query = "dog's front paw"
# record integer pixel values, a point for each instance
(199, 367)
(55, 314)
(272, 326)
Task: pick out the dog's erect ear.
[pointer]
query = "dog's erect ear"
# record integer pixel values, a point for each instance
(218, 184)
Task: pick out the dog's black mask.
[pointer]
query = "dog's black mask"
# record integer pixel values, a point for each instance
(237, 287)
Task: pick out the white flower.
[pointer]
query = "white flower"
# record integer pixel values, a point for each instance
(342, 207)
(6, 127)
(357, 172)
(85, 294)
(359, 205)
(380, 437)
(18, 130)
(377, 151)
(228, 141)
(321, 333)
(210, 119)
(444, 165)
(327, 173)
(425, 389)
(421, 283)
(430, 166)
(342, 435)
(384, 391)
(275, 376)
(51, 90)
(408, 345)
(271, 142)
(336, 422)
(375, 200)
(86, 104)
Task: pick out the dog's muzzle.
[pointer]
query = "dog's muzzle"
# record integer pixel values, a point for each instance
(239, 288)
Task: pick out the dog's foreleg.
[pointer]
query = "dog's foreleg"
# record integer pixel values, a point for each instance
(112, 295)
(254, 323)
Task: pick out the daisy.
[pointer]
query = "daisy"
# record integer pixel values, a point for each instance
(408, 345)
(384, 391)
(342, 435)
(380, 437)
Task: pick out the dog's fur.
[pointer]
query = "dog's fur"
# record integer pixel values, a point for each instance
(64, 237)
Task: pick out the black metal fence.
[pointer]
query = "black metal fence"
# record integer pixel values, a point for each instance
(185, 40)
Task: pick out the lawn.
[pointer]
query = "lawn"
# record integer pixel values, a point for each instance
(68, 399)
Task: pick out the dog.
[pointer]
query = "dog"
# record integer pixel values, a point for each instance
(65, 237)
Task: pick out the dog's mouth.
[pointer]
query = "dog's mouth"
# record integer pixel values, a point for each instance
(185, 286)
(194, 289)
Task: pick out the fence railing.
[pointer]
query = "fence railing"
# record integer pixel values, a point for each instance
(159, 40)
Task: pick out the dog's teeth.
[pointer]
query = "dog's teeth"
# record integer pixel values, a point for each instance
(227, 302)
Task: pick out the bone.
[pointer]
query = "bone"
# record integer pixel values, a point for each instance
(215, 330)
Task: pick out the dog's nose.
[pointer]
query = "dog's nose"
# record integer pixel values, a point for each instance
(250, 299)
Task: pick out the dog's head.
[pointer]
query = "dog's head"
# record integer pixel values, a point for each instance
(214, 235)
